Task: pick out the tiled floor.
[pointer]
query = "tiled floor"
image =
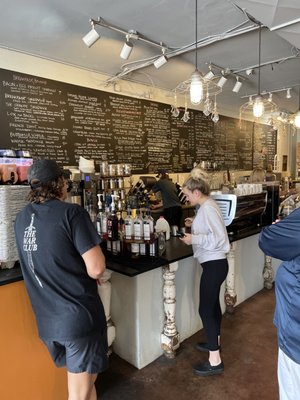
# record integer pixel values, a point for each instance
(249, 352)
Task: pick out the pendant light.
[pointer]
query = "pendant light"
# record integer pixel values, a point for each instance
(297, 115)
(258, 105)
(196, 87)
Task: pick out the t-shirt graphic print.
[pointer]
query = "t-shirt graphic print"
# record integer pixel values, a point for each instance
(30, 245)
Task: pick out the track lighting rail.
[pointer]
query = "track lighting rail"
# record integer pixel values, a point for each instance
(132, 34)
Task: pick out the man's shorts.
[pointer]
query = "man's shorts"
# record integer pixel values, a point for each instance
(88, 354)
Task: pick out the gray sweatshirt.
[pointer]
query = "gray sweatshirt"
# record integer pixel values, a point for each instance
(209, 235)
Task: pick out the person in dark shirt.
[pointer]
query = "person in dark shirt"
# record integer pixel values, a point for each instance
(172, 210)
(61, 261)
(282, 240)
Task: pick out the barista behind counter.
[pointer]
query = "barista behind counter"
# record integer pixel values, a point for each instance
(172, 210)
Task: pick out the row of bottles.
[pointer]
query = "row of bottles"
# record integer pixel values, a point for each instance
(135, 234)
(110, 224)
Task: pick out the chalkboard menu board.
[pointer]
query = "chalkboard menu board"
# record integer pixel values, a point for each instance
(61, 121)
(264, 145)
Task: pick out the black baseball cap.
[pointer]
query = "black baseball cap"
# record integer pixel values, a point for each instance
(161, 172)
(43, 171)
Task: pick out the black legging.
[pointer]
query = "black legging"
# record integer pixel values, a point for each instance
(213, 275)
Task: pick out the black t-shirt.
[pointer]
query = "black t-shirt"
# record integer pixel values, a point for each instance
(50, 239)
(168, 193)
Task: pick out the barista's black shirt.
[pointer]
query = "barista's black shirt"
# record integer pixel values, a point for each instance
(50, 239)
(168, 193)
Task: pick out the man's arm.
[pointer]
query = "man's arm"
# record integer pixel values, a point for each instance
(282, 240)
(95, 262)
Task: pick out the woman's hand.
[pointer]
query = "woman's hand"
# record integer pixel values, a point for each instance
(187, 238)
(188, 222)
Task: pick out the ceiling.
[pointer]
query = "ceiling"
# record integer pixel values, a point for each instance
(227, 33)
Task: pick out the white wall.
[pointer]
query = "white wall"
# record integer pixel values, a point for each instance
(41, 67)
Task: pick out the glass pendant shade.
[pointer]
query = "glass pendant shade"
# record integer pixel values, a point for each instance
(297, 120)
(196, 88)
(258, 107)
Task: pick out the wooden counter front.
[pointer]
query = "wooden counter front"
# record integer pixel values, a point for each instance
(27, 371)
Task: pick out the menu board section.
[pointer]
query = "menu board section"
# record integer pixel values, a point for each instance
(264, 146)
(56, 120)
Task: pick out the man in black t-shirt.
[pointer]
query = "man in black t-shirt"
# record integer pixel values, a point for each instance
(170, 200)
(61, 261)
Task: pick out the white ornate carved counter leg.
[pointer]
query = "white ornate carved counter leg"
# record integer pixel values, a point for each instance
(268, 273)
(230, 293)
(170, 335)
(104, 291)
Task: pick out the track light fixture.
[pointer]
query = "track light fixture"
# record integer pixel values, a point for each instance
(92, 36)
(237, 86)
(221, 82)
(162, 60)
(209, 75)
(126, 49)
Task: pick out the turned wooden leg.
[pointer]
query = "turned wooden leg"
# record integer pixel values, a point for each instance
(104, 291)
(268, 273)
(230, 293)
(169, 336)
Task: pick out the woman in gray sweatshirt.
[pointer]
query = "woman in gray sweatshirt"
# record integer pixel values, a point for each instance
(210, 244)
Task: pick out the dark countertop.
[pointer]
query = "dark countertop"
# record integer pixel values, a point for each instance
(11, 275)
(175, 250)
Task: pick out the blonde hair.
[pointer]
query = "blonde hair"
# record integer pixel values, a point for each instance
(198, 180)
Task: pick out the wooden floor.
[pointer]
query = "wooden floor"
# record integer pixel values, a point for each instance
(249, 352)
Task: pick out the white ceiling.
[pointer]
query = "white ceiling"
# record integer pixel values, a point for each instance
(53, 29)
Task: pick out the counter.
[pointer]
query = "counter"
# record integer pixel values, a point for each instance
(11, 275)
(152, 305)
(175, 251)
(155, 311)
(27, 371)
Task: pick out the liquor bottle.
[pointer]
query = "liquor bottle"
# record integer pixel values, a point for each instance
(121, 232)
(143, 249)
(112, 224)
(105, 215)
(128, 225)
(161, 243)
(90, 207)
(135, 249)
(138, 225)
(148, 225)
(99, 215)
(153, 247)
(112, 230)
